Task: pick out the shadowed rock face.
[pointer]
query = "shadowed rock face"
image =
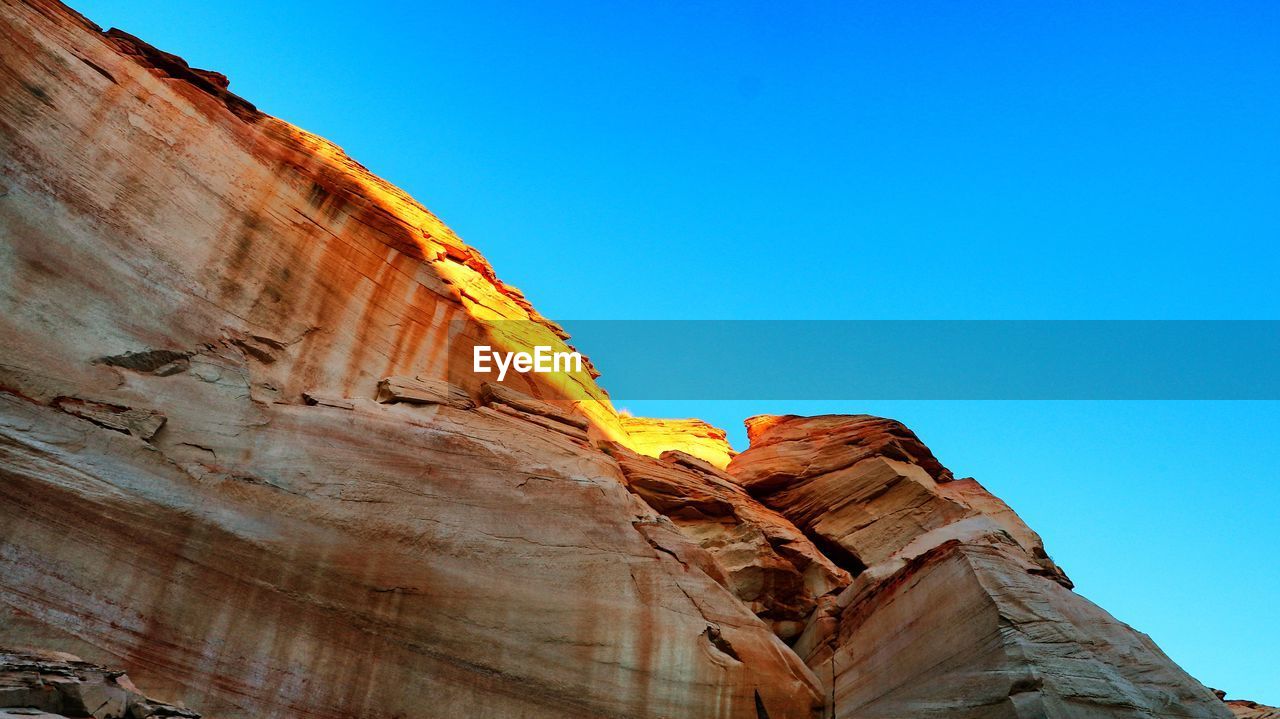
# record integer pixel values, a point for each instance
(238, 460)
(769, 565)
(955, 609)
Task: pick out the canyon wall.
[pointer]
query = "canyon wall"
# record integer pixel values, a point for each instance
(241, 459)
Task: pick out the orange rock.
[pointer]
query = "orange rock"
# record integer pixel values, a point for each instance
(652, 437)
(284, 545)
(955, 608)
(240, 458)
(1244, 709)
(768, 564)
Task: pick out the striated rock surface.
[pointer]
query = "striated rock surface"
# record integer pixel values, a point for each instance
(769, 565)
(237, 457)
(865, 488)
(1245, 709)
(955, 609)
(242, 458)
(53, 685)
(652, 437)
(366, 562)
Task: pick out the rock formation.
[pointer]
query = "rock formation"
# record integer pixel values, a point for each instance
(955, 609)
(51, 685)
(242, 458)
(691, 436)
(1245, 709)
(765, 561)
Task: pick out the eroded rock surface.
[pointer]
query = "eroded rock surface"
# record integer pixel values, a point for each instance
(769, 565)
(866, 489)
(1245, 709)
(652, 437)
(53, 685)
(235, 456)
(241, 457)
(955, 610)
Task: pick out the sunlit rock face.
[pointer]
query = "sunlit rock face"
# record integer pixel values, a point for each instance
(955, 609)
(228, 463)
(652, 437)
(1244, 709)
(242, 459)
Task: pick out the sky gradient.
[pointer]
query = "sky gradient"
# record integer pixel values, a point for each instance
(862, 161)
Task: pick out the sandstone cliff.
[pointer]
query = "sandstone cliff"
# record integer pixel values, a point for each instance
(239, 460)
(956, 610)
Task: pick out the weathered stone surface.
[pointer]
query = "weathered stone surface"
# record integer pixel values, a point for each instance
(264, 583)
(979, 501)
(54, 684)
(955, 610)
(150, 214)
(324, 401)
(966, 629)
(422, 390)
(571, 430)
(865, 488)
(230, 463)
(141, 423)
(787, 452)
(286, 546)
(769, 565)
(501, 396)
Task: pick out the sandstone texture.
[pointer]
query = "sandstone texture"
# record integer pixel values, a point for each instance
(231, 462)
(1245, 709)
(768, 563)
(955, 608)
(52, 685)
(243, 458)
(691, 436)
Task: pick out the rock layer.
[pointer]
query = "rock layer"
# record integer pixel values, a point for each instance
(1245, 709)
(241, 457)
(955, 610)
(284, 544)
(694, 437)
(61, 685)
(866, 489)
(769, 565)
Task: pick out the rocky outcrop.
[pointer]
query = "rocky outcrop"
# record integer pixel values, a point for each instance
(866, 489)
(768, 564)
(238, 457)
(365, 561)
(955, 609)
(53, 685)
(133, 181)
(694, 437)
(242, 457)
(1245, 709)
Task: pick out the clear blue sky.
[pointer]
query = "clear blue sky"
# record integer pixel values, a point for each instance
(862, 160)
